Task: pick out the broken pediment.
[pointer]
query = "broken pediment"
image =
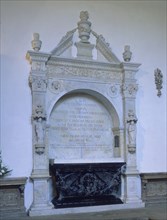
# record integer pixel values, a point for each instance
(84, 47)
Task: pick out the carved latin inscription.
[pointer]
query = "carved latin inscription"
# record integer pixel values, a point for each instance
(81, 127)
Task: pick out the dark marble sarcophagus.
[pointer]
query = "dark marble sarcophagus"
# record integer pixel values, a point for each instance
(87, 184)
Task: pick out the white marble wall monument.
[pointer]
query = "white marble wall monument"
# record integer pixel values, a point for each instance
(83, 110)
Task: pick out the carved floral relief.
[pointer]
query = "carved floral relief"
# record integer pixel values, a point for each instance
(114, 90)
(129, 90)
(56, 86)
(67, 71)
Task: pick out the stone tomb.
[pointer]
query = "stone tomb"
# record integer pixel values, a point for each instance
(87, 184)
(83, 115)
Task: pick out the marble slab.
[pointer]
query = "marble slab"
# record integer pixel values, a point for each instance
(80, 128)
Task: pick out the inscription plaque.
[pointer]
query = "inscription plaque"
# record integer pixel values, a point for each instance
(80, 127)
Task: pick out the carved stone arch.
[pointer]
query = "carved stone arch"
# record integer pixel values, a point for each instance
(99, 122)
(107, 103)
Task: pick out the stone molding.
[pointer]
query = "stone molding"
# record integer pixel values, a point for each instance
(65, 43)
(104, 48)
(14, 181)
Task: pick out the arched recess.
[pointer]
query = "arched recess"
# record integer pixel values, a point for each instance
(83, 125)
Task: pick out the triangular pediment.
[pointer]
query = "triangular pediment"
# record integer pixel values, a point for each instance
(103, 50)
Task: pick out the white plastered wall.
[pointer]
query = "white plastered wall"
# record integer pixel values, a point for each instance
(140, 24)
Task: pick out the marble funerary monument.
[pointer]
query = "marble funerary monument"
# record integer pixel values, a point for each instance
(83, 125)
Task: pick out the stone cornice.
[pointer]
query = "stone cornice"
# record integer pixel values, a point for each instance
(13, 181)
(37, 56)
(86, 63)
(147, 176)
(130, 66)
(104, 48)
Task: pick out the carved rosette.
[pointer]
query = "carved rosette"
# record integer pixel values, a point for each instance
(114, 90)
(56, 86)
(129, 90)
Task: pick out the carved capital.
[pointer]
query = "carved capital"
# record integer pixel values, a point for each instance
(37, 83)
(129, 90)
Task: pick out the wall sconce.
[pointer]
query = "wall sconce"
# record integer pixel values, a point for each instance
(158, 81)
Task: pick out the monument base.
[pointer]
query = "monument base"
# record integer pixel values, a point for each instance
(52, 211)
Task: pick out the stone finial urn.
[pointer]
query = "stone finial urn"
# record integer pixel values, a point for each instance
(127, 54)
(84, 27)
(36, 43)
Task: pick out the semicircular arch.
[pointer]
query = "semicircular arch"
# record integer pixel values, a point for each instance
(94, 94)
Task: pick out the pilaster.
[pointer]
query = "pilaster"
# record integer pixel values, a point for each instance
(40, 172)
(129, 90)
